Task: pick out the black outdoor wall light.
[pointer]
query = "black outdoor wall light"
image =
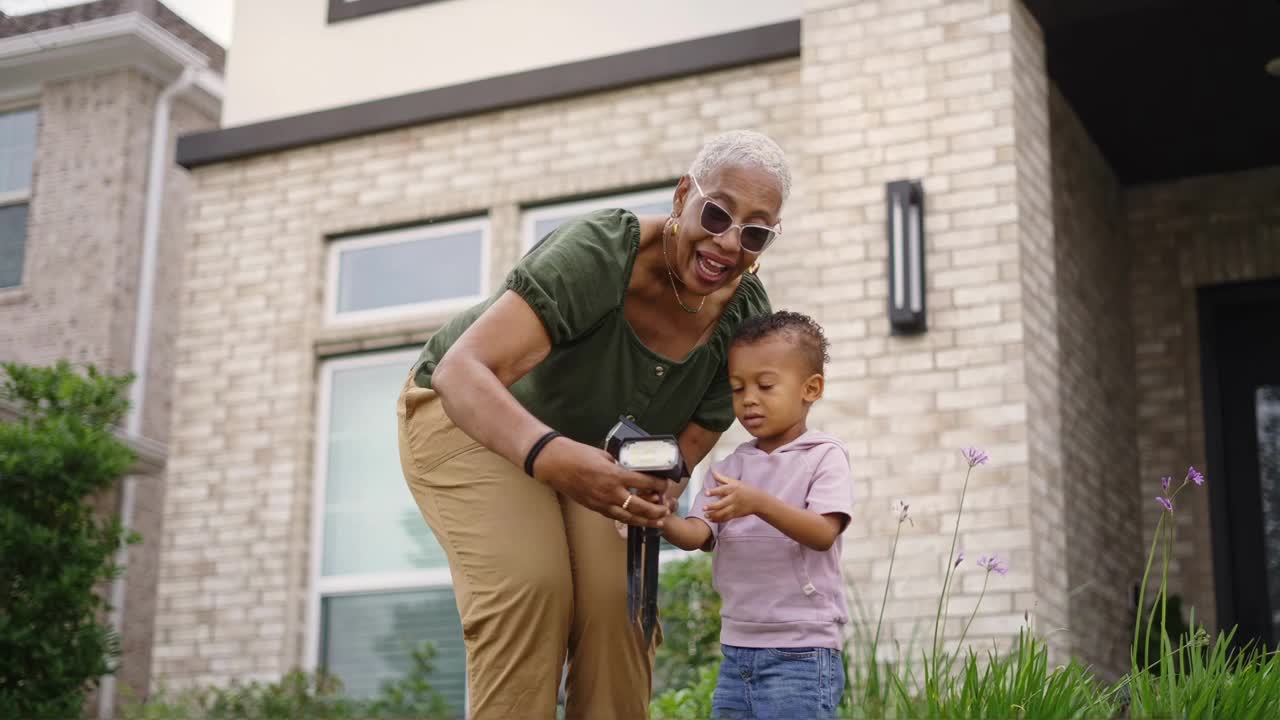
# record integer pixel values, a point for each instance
(905, 224)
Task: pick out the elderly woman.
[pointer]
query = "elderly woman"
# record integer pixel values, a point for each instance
(503, 418)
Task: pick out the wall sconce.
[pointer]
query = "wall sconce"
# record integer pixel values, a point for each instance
(905, 218)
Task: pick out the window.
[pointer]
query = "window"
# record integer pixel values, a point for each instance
(538, 222)
(436, 268)
(380, 581)
(17, 156)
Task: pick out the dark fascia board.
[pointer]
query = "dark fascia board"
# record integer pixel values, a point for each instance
(744, 47)
(340, 10)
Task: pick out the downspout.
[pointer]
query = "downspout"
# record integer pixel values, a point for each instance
(159, 153)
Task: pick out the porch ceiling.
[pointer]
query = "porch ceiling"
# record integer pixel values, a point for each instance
(1169, 88)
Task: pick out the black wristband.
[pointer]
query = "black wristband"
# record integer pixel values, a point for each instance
(537, 448)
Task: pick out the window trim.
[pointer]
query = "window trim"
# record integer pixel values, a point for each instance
(431, 309)
(15, 197)
(318, 586)
(531, 215)
(381, 582)
(340, 10)
(24, 196)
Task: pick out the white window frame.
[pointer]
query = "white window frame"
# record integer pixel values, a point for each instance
(533, 215)
(428, 309)
(22, 197)
(320, 587)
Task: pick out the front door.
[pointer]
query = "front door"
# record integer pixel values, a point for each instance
(1240, 341)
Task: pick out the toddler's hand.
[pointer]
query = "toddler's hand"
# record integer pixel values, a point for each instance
(736, 500)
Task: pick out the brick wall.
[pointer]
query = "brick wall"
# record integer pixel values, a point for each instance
(233, 583)
(1094, 261)
(1027, 298)
(1041, 323)
(1188, 234)
(79, 213)
(78, 298)
(948, 93)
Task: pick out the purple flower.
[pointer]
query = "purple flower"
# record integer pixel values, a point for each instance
(959, 559)
(1165, 482)
(993, 563)
(1165, 502)
(1195, 475)
(974, 456)
(900, 511)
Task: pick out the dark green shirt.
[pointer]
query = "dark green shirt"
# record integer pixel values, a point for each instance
(598, 370)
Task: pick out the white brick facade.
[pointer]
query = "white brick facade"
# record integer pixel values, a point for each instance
(1044, 274)
(954, 95)
(232, 590)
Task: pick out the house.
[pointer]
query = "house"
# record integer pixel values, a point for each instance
(92, 212)
(1101, 266)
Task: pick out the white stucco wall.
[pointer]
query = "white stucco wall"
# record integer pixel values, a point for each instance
(287, 60)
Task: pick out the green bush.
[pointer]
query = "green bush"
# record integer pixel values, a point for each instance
(314, 696)
(688, 703)
(54, 550)
(690, 622)
(689, 657)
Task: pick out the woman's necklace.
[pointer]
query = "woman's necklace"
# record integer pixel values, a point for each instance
(672, 277)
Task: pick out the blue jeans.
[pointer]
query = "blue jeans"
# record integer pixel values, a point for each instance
(763, 683)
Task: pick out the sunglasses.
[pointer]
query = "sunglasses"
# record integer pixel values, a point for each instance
(717, 221)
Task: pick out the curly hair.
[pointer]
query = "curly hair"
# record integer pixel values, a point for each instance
(805, 333)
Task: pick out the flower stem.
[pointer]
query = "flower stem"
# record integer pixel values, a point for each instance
(1142, 594)
(1166, 648)
(965, 632)
(946, 581)
(893, 554)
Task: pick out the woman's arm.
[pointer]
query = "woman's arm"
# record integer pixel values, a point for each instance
(500, 347)
(695, 442)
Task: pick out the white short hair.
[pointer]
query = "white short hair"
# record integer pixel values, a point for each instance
(743, 147)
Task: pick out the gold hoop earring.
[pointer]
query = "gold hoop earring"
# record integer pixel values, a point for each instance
(755, 268)
(675, 228)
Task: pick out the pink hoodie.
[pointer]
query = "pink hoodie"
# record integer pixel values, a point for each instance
(775, 591)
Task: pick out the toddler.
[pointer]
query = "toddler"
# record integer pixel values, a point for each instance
(772, 513)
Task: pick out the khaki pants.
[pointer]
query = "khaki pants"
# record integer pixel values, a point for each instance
(536, 576)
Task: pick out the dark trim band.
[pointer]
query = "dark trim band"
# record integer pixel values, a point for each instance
(340, 10)
(745, 47)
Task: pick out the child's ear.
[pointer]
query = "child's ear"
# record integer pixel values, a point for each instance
(813, 387)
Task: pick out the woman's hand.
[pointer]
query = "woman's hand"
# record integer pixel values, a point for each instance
(590, 477)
